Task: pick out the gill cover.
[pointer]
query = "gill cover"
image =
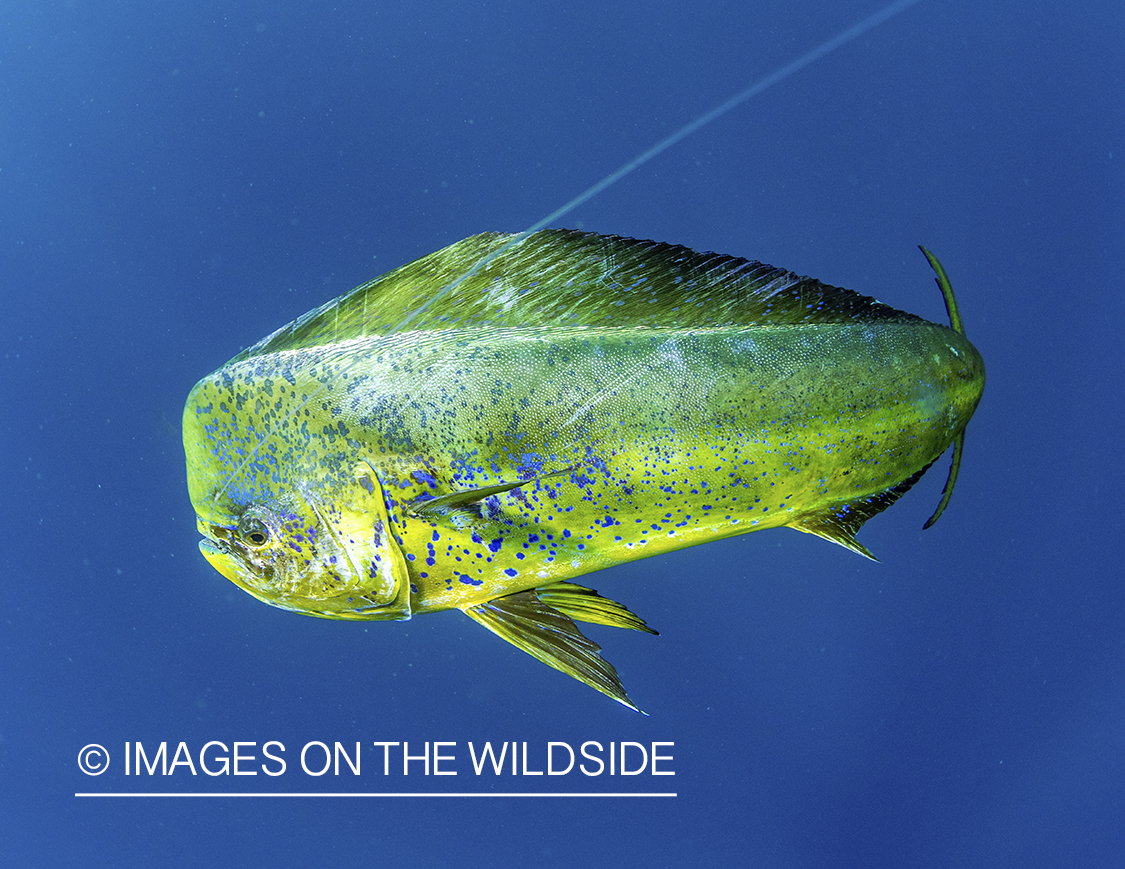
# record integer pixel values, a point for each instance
(362, 533)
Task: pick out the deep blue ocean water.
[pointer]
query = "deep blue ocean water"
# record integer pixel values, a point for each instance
(178, 180)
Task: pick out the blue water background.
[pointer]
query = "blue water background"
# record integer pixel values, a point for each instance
(177, 180)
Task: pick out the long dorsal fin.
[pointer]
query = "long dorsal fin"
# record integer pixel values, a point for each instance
(841, 522)
(557, 278)
(547, 632)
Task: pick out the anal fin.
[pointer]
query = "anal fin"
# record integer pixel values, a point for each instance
(839, 523)
(540, 621)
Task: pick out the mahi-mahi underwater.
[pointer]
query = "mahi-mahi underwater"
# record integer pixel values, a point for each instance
(475, 429)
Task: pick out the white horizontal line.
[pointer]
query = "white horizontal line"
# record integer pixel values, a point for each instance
(400, 795)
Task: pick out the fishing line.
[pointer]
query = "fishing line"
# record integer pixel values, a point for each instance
(843, 38)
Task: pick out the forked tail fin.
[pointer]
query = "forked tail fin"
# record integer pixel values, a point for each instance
(957, 325)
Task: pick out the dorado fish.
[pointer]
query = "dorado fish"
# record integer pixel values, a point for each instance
(477, 428)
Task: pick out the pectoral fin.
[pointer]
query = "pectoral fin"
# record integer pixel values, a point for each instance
(547, 631)
(469, 501)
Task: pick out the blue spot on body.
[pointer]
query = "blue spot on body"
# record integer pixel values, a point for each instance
(424, 477)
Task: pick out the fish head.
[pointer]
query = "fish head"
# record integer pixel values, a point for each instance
(285, 518)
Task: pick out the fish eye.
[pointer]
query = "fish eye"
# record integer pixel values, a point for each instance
(253, 531)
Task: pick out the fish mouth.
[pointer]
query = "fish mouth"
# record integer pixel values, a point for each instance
(224, 560)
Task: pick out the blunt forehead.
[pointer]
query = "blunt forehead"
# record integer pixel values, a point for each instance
(230, 428)
(246, 452)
